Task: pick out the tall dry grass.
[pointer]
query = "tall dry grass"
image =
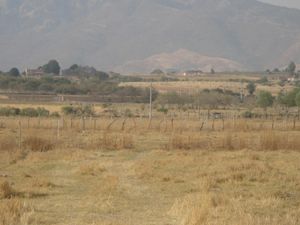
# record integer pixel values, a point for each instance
(6, 190)
(214, 208)
(15, 212)
(228, 140)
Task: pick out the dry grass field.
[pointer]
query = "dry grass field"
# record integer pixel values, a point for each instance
(129, 171)
(195, 86)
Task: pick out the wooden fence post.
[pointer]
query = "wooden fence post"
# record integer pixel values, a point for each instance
(58, 129)
(20, 135)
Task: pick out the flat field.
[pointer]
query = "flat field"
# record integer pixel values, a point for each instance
(196, 86)
(130, 171)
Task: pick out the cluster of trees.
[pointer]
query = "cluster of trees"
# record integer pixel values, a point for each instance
(290, 69)
(46, 84)
(85, 71)
(287, 100)
(29, 112)
(52, 67)
(59, 85)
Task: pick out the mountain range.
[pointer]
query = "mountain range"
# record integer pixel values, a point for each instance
(124, 35)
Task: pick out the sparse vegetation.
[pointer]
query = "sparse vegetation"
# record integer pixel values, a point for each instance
(205, 157)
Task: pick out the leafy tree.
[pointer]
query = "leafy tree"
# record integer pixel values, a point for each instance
(264, 99)
(251, 87)
(102, 75)
(288, 99)
(52, 67)
(297, 99)
(291, 68)
(14, 72)
(157, 72)
(74, 67)
(263, 80)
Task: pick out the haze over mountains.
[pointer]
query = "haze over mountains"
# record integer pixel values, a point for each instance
(112, 34)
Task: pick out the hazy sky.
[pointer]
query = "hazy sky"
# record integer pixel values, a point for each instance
(287, 3)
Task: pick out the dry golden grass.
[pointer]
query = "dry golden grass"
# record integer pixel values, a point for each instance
(8, 143)
(195, 86)
(6, 191)
(91, 169)
(37, 144)
(16, 212)
(237, 172)
(264, 141)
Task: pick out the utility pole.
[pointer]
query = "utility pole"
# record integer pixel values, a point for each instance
(150, 103)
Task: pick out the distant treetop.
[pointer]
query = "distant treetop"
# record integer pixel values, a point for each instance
(14, 72)
(157, 72)
(52, 67)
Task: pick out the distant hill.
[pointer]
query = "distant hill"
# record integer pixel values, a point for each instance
(107, 34)
(180, 60)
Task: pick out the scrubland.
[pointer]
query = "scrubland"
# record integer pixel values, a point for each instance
(132, 171)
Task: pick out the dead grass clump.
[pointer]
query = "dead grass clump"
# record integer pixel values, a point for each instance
(15, 212)
(196, 209)
(241, 125)
(6, 191)
(42, 183)
(293, 143)
(228, 141)
(112, 141)
(187, 142)
(8, 143)
(37, 144)
(91, 169)
(270, 141)
(16, 155)
(211, 208)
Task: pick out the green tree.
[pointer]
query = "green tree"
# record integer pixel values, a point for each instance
(52, 67)
(297, 100)
(74, 67)
(291, 68)
(288, 99)
(14, 72)
(157, 72)
(251, 87)
(264, 99)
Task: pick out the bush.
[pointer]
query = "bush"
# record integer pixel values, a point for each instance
(55, 114)
(163, 110)
(9, 111)
(86, 110)
(249, 115)
(32, 112)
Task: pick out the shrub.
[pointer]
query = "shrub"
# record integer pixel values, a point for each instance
(9, 111)
(55, 114)
(248, 114)
(163, 110)
(86, 110)
(30, 112)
